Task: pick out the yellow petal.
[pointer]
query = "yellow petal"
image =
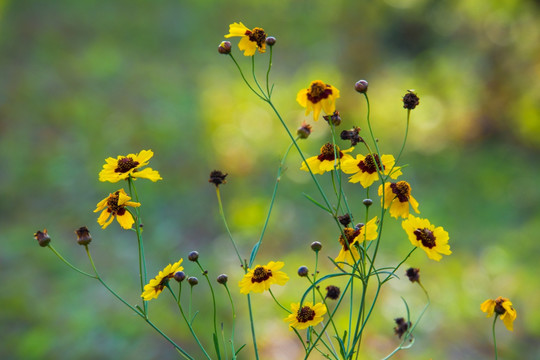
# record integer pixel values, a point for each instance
(147, 173)
(237, 29)
(126, 220)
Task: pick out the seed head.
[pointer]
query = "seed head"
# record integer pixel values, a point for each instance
(42, 237)
(352, 135)
(217, 178)
(344, 219)
(332, 292)
(334, 118)
(83, 235)
(402, 327)
(413, 274)
(304, 131)
(410, 100)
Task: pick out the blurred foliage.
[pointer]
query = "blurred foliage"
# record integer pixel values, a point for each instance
(82, 81)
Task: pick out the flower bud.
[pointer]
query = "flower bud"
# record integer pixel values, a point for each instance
(42, 237)
(222, 279)
(344, 219)
(332, 292)
(402, 326)
(304, 131)
(334, 118)
(413, 274)
(367, 202)
(316, 246)
(217, 178)
(270, 41)
(179, 276)
(193, 256)
(361, 86)
(192, 280)
(303, 271)
(410, 100)
(83, 235)
(225, 47)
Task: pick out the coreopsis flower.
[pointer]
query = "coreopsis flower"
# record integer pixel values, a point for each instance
(364, 168)
(305, 316)
(261, 277)
(115, 205)
(157, 284)
(318, 96)
(349, 252)
(503, 308)
(326, 160)
(251, 39)
(433, 240)
(398, 196)
(125, 166)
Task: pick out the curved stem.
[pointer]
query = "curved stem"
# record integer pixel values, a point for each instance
(222, 214)
(233, 320)
(403, 145)
(69, 264)
(205, 274)
(244, 78)
(278, 303)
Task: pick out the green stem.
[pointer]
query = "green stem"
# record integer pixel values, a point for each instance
(205, 274)
(268, 93)
(253, 337)
(188, 322)
(277, 302)
(494, 338)
(69, 264)
(222, 214)
(142, 261)
(233, 320)
(244, 78)
(402, 145)
(278, 179)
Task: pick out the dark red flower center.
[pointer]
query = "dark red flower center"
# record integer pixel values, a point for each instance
(260, 274)
(112, 204)
(305, 314)
(328, 152)
(318, 91)
(402, 190)
(426, 237)
(125, 164)
(368, 164)
(257, 35)
(350, 235)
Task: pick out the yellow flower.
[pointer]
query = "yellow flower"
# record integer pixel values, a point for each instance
(326, 161)
(125, 166)
(305, 316)
(433, 240)
(251, 39)
(398, 197)
(349, 252)
(115, 205)
(261, 277)
(503, 307)
(365, 170)
(318, 96)
(157, 284)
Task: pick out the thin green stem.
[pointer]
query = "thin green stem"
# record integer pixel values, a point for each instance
(494, 338)
(205, 274)
(278, 180)
(268, 93)
(188, 323)
(255, 77)
(222, 214)
(68, 263)
(402, 145)
(142, 261)
(278, 303)
(253, 337)
(233, 320)
(244, 78)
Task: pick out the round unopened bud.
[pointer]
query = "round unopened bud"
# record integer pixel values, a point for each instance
(222, 279)
(303, 271)
(192, 280)
(83, 236)
(367, 202)
(316, 246)
(270, 41)
(361, 86)
(42, 237)
(193, 256)
(304, 131)
(179, 276)
(225, 47)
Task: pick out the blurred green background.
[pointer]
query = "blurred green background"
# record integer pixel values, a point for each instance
(84, 80)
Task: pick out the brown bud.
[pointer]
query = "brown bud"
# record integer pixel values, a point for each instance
(83, 236)
(361, 86)
(42, 237)
(225, 47)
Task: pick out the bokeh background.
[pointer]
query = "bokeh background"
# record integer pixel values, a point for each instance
(84, 80)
